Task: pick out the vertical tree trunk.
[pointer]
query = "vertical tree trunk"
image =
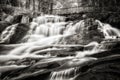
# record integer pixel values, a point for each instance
(39, 4)
(28, 4)
(33, 5)
(51, 7)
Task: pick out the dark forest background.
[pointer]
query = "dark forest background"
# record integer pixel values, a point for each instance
(105, 10)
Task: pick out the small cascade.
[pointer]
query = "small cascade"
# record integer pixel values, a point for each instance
(57, 28)
(43, 29)
(90, 49)
(109, 31)
(69, 70)
(25, 18)
(67, 74)
(50, 29)
(73, 29)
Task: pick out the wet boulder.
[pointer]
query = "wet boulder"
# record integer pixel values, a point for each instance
(17, 19)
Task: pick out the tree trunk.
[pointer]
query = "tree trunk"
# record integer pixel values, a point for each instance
(51, 7)
(28, 4)
(39, 4)
(33, 5)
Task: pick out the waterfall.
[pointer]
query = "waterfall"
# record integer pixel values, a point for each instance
(63, 75)
(45, 26)
(44, 39)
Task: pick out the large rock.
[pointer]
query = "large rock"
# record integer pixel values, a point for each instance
(14, 33)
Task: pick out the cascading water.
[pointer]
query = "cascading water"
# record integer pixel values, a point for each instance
(108, 30)
(46, 26)
(63, 75)
(45, 36)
